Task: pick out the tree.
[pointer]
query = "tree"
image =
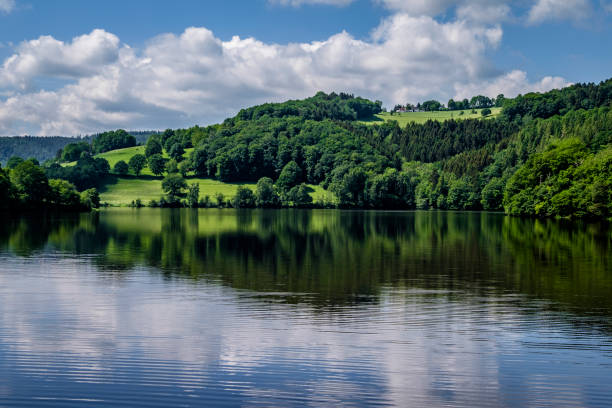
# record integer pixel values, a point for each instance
(290, 176)
(121, 168)
(174, 186)
(199, 159)
(485, 112)
(265, 193)
(176, 152)
(30, 182)
(137, 163)
(73, 151)
(431, 105)
(157, 164)
(14, 162)
(6, 190)
(90, 198)
(63, 194)
(299, 196)
(193, 195)
(112, 140)
(244, 198)
(172, 166)
(184, 168)
(153, 146)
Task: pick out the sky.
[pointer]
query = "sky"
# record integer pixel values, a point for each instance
(73, 67)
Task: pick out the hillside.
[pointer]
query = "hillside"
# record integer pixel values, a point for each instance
(318, 151)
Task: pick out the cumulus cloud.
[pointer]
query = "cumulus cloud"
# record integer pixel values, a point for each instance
(6, 6)
(510, 84)
(46, 56)
(547, 10)
(195, 77)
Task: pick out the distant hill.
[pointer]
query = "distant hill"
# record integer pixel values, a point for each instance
(45, 148)
(41, 148)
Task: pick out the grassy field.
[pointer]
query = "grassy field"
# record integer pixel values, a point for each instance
(122, 191)
(421, 117)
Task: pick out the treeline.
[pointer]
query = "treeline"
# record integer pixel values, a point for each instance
(321, 106)
(476, 102)
(559, 101)
(27, 187)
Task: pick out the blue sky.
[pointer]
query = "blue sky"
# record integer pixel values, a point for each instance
(71, 66)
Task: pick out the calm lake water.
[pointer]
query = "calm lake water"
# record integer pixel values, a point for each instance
(304, 308)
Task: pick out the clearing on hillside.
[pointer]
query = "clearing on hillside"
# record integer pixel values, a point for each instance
(421, 117)
(122, 191)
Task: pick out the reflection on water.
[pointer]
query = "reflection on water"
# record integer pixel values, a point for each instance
(294, 308)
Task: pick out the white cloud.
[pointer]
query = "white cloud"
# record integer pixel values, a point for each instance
(547, 10)
(180, 80)
(510, 84)
(6, 6)
(46, 56)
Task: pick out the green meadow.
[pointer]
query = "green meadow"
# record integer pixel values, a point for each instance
(121, 191)
(421, 117)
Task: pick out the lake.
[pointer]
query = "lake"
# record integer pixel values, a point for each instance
(316, 308)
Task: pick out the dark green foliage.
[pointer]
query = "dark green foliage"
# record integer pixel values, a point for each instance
(265, 193)
(430, 106)
(244, 198)
(290, 176)
(88, 172)
(157, 164)
(172, 166)
(153, 146)
(72, 151)
(391, 190)
(184, 167)
(7, 190)
(176, 151)
(90, 198)
(434, 141)
(112, 140)
(137, 163)
(299, 196)
(199, 158)
(319, 107)
(174, 186)
(121, 168)
(63, 194)
(30, 183)
(493, 194)
(485, 112)
(14, 162)
(565, 180)
(193, 195)
(559, 102)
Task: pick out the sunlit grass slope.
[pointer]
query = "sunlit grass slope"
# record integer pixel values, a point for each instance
(122, 191)
(421, 117)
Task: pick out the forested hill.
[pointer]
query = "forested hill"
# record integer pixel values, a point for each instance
(40, 148)
(546, 154)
